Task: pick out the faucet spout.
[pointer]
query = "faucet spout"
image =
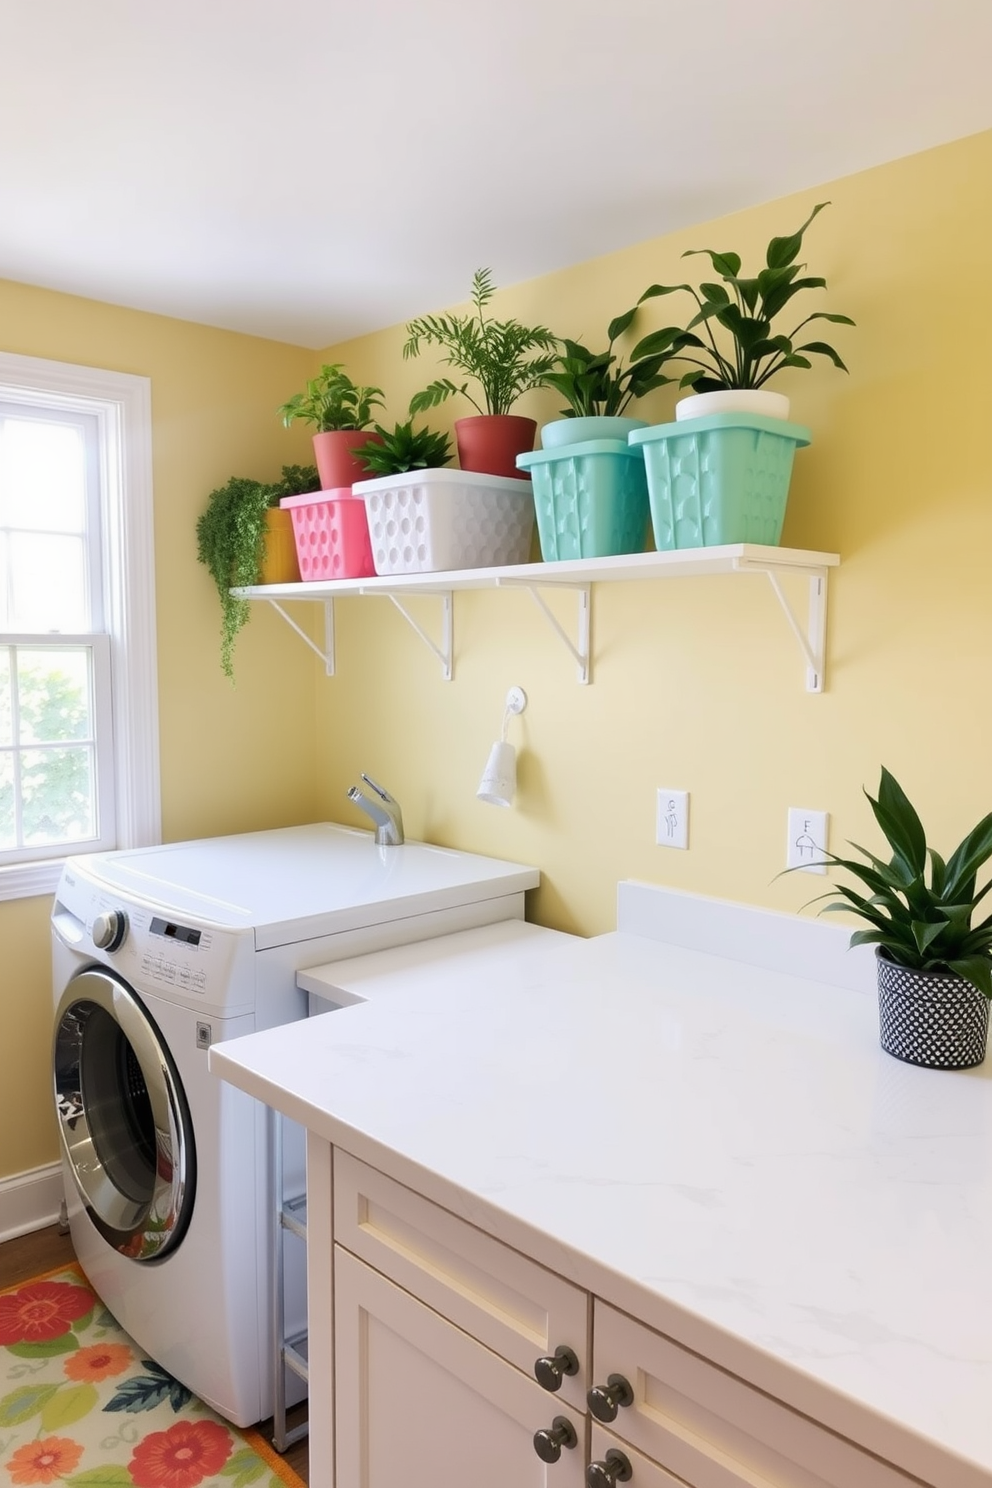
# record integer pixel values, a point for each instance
(382, 809)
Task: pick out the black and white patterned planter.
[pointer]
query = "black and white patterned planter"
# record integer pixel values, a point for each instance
(932, 1018)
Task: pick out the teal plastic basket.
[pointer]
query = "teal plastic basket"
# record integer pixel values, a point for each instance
(719, 479)
(591, 499)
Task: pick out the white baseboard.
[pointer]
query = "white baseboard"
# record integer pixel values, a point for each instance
(30, 1201)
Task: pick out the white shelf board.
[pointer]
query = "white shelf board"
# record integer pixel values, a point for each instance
(579, 574)
(682, 563)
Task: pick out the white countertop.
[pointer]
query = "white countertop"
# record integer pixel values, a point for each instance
(720, 1149)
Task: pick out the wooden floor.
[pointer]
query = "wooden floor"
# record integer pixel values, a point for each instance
(45, 1250)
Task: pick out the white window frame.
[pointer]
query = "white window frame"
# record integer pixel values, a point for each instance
(121, 403)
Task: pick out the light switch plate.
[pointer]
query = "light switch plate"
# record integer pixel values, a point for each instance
(672, 821)
(807, 840)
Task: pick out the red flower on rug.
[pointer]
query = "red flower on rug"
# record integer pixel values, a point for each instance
(99, 1361)
(42, 1310)
(182, 1456)
(44, 1461)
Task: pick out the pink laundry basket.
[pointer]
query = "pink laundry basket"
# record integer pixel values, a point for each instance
(331, 529)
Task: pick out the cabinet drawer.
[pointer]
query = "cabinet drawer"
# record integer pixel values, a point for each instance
(713, 1430)
(514, 1306)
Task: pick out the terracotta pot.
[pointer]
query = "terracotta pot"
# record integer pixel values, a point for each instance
(279, 561)
(336, 465)
(491, 442)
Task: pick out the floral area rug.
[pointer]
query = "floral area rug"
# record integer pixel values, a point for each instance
(81, 1405)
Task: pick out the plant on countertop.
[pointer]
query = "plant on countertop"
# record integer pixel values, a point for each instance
(332, 401)
(230, 536)
(505, 358)
(921, 924)
(405, 449)
(745, 309)
(595, 384)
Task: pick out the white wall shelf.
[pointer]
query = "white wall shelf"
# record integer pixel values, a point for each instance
(579, 575)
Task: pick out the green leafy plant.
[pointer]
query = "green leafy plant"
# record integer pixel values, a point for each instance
(405, 449)
(230, 536)
(332, 401)
(597, 383)
(505, 358)
(745, 309)
(920, 921)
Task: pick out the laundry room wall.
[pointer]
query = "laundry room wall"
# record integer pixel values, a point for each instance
(698, 684)
(232, 758)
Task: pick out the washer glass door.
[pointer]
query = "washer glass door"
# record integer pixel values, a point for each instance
(123, 1117)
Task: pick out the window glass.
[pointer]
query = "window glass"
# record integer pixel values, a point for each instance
(42, 475)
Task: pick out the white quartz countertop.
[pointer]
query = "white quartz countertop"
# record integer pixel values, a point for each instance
(720, 1149)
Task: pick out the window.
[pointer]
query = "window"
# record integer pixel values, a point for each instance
(78, 696)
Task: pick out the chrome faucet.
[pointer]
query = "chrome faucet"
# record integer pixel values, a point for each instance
(385, 812)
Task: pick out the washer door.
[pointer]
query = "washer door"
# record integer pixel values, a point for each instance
(123, 1117)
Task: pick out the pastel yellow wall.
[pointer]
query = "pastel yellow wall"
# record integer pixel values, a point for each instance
(698, 684)
(233, 759)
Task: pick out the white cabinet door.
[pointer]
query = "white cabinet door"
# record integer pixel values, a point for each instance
(420, 1404)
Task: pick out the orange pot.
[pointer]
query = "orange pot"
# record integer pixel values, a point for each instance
(336, 465)
(490, 443)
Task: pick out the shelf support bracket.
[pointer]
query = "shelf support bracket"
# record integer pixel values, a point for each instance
(327, 655)
(444, 652)
(580, 650)
(812, 641)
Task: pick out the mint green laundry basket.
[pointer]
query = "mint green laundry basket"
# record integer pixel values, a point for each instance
(719, 479)
(590, 499)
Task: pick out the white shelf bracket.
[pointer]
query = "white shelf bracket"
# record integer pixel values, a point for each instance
(812, 641)
(445, 651)
(580, 650)
(327, 655)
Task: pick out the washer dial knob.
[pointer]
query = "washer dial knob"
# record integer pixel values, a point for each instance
(109, 930)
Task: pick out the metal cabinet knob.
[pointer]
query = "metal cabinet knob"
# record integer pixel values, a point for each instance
(615, 1468)
(109, 929)
(605, 1400)
(549, 1441)
(551, 1370)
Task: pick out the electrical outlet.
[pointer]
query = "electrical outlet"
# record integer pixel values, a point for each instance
(672, 822)
(807, 840)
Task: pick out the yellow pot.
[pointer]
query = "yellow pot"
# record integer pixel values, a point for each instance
(279, 561)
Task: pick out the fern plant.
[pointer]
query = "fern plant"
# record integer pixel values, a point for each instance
(918, 920)
(405, 448)
(332, 401)
(230, 537)
(504, 358)
(743, 308)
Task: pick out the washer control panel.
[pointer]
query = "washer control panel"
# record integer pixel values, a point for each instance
(193, 961)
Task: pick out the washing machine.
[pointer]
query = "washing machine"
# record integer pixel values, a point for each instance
(158, 953)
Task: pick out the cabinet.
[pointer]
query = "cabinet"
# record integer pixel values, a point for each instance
(438, 1327)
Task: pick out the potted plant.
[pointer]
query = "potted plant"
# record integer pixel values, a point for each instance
(744, 309)
(598, 388)
(504, 359)
(341, 410)
(405, 449)
(934, 963)
(423, 518)
(243, 539)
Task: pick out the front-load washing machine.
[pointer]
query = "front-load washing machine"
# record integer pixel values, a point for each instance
(159, 953)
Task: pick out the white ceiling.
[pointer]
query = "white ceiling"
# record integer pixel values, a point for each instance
(314, 170)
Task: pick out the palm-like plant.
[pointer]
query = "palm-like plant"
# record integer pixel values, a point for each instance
(505, 358)
(744, 308)
(918, 922)
(597, 383)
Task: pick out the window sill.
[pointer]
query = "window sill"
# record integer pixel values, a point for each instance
(30, 880)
